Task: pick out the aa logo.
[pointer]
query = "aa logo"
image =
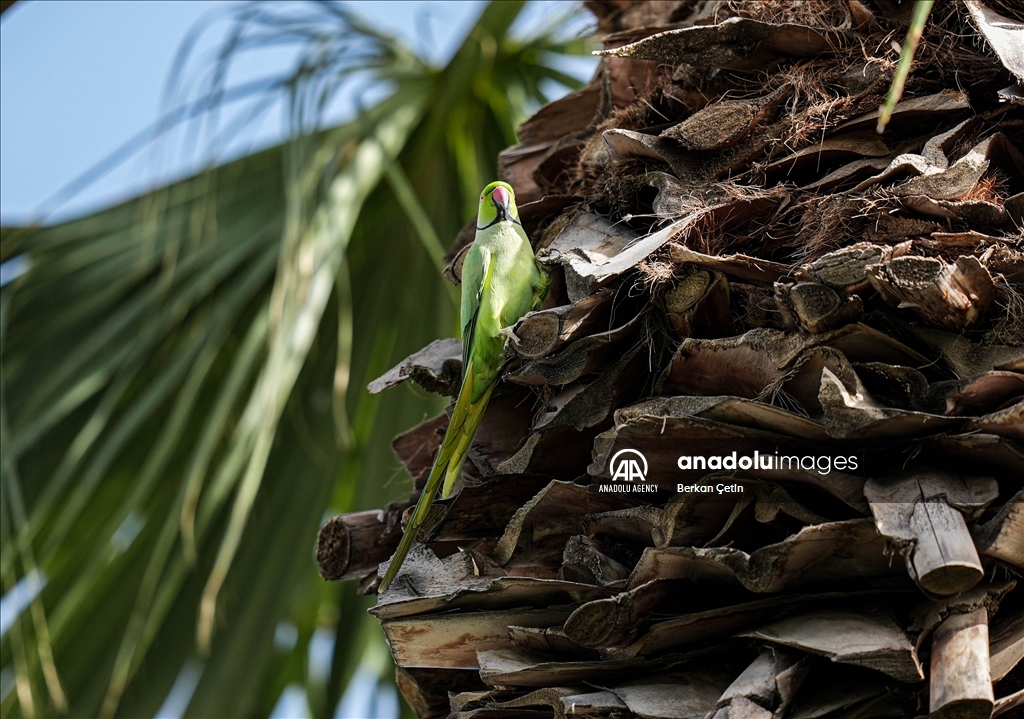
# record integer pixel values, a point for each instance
(628, 465)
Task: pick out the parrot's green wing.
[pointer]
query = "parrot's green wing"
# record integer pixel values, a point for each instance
(465, 416)
(474, 271)
(540, 289)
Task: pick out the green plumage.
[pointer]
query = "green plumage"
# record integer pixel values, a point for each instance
(501, 282)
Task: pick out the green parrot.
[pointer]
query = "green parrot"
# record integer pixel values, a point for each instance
(501, 282)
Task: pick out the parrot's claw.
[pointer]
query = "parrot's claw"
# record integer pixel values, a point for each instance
(509, 334)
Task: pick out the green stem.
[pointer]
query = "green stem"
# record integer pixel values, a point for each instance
(922, 9)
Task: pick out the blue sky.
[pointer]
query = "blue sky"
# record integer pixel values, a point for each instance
(79, 79)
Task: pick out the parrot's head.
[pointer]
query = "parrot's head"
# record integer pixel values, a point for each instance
(497, 204)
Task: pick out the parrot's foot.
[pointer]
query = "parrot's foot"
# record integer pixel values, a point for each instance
(511, 336)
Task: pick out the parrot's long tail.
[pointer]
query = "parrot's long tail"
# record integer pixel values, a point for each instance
(448, 465)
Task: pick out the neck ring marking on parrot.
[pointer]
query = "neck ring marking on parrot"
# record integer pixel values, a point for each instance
(496, 220)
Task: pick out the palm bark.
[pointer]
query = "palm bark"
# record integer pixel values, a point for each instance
(740, 260)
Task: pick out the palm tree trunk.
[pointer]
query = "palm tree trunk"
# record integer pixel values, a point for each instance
(760, 454)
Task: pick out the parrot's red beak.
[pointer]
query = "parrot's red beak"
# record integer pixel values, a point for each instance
(501, 200)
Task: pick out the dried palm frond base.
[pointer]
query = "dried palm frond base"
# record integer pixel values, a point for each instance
(739, 260)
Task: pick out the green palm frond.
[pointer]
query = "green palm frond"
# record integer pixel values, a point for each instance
(176, 417)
